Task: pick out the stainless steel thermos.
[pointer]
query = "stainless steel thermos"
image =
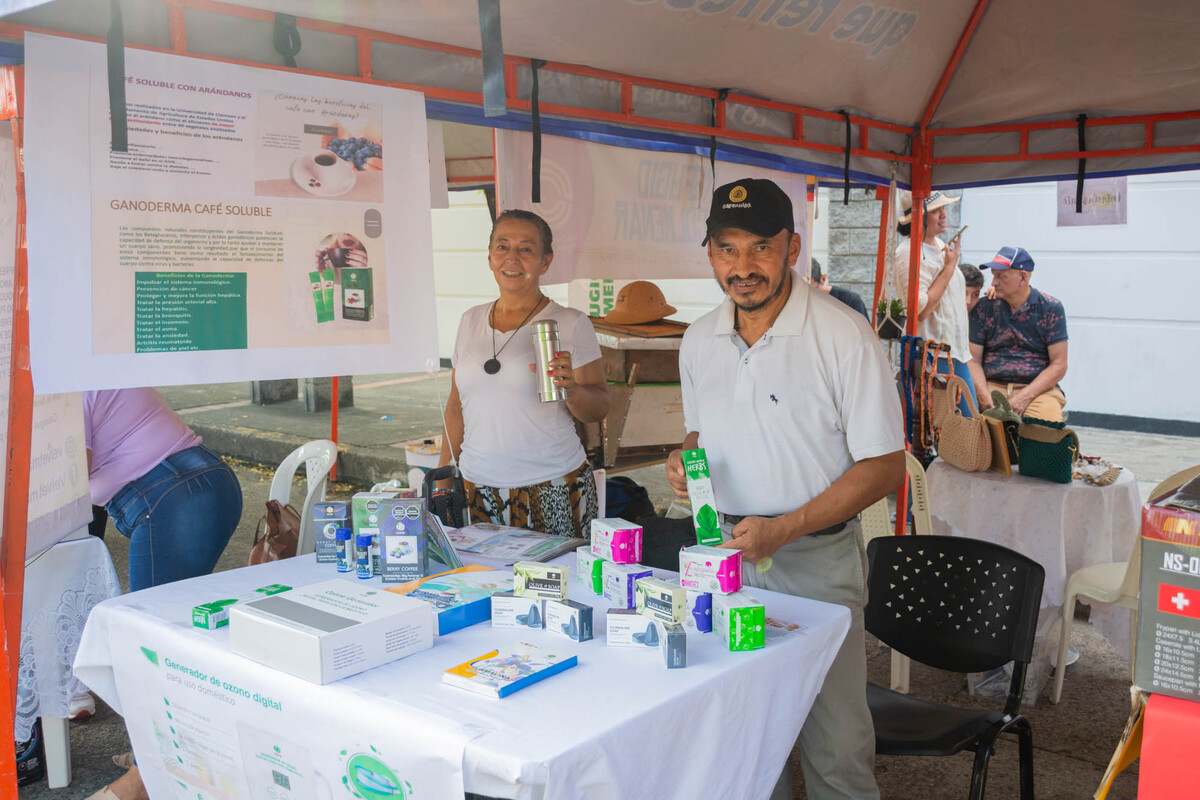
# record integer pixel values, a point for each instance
(545, 345)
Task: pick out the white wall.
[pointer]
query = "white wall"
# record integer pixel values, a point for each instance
(461, 279)
(1131, 292)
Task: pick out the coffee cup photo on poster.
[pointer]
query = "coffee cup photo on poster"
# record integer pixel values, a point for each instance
(318, 147)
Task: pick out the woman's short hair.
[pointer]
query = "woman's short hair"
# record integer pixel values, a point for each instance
(544, 232)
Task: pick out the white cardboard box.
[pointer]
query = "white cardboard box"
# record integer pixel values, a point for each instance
(328, 631)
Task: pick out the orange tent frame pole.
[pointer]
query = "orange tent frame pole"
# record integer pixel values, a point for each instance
(20, 430)
(881, 254)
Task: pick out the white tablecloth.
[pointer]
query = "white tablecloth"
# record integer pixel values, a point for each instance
(62, 586)
(617, 726)
(1063, 527)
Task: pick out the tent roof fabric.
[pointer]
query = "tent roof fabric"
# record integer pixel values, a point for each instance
(1027, 60)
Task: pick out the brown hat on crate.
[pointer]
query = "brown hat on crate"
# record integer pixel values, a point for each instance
(638, 303)
(935, 201)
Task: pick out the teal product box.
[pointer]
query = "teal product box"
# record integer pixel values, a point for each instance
(512, 611)
(660, 600)
(620, 582)
(215, 614)
(589, 568)
(672, 642)
(327, 517)
(569, 618)
(535, 579)
(401, 540)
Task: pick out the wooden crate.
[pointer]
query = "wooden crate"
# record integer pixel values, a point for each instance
(654, 366)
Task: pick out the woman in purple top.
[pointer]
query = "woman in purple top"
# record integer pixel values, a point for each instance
(174, 498)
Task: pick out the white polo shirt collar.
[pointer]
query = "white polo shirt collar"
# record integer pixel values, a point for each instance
(790, 321)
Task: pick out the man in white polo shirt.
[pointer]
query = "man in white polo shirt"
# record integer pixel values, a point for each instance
(790, 394)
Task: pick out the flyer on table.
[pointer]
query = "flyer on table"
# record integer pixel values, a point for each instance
(261, 225)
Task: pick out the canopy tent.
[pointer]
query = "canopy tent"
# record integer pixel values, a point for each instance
(936, 94)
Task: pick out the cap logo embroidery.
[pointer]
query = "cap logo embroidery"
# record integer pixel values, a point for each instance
(737, 194)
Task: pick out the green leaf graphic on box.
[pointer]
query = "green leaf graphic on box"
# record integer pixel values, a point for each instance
(150, 655)
(706, 519)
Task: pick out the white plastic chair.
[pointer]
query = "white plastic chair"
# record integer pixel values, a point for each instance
(601, 490)
(1117, 582)
(318, 458)
(876, 520)
(918, 495)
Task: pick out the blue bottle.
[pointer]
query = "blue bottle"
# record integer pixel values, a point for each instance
(362, 556)
(345, 549)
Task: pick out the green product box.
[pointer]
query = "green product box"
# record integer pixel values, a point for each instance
(700, 492)
(589, 568)
(215, 614)
(740, 620)
(358, 294)
(323, 309)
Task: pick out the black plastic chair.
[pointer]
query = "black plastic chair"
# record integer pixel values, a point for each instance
(960, 605)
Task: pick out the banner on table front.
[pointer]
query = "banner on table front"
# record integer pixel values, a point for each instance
(251, 231)
(208, 724)
(617, 212)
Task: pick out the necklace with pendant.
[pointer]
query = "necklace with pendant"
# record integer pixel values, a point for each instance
(492, 365)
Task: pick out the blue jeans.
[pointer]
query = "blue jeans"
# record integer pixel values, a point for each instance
(963, 371)
(178, 517)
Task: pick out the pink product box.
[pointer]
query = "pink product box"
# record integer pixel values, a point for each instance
(710, 569)
(616, 540)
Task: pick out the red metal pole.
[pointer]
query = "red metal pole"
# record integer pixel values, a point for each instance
(881, 255)
(20, 430)
(960, 49)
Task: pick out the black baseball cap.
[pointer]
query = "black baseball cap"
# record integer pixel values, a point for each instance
(751, 204)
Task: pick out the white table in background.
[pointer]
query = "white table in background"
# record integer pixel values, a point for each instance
(1062, 526)
(617, 726)
(62, 586)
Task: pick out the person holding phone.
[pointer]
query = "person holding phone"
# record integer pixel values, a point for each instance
(942, 292)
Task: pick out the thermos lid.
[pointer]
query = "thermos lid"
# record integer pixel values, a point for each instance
(545, 327)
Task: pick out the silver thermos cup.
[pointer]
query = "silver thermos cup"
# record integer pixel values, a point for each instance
(545, 345)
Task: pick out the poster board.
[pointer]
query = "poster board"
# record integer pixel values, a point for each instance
(620, 213)
(252, 231)
(1105, 202)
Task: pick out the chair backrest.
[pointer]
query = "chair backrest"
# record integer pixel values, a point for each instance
(952, 602)
(1131, 583)
(318, 458)
(876, 520)
(918, 493)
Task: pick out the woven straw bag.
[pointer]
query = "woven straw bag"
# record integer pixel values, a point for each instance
(963, 442)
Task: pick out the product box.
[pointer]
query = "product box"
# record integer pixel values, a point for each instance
(400, 543)
(331, 630)
(215, 614)
(627, 628)
(589, 569)
(672, 640)
(616, 540)
(461, 597)
(535, 579)
(511, 611)
(358, 294)
(740, 620)
(620, 581)
(697, 613)
(710, 569)
(1169, 607)
(327, 517)
(569, 618)
(658, 599)
(700, 493)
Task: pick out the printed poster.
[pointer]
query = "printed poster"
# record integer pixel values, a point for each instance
(1105, 202)
(261, 225)
(623, 213)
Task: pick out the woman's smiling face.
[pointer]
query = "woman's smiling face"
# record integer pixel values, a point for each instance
(516, 256)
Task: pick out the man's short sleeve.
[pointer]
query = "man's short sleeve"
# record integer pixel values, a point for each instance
(687, 388)
(1053, 323)
(979, 323)
(870, 404)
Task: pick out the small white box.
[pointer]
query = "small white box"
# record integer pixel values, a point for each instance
(627, 628)
(331, 630)
(661, 600)
(570, 619)
(510, 611)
